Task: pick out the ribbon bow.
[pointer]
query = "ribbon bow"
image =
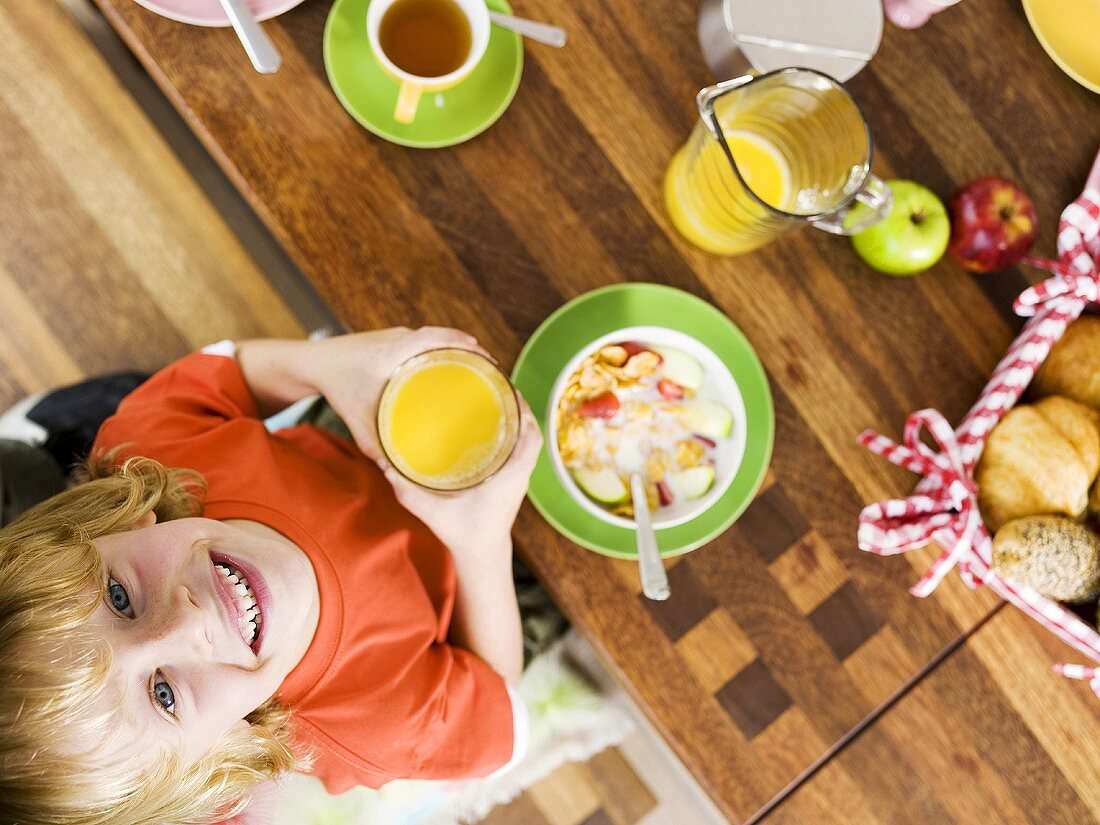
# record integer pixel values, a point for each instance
(1081, 673)
(948, 505)
(1077, 270)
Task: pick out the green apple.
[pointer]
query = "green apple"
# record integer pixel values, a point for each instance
(706, 418)
(690, 483)
(603, 485)
(680, 368)
(911, 238)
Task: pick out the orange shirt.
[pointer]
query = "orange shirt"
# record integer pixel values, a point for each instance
(379, 695)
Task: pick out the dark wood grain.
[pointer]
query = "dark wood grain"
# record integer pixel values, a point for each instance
(563, 195)
(989, 736)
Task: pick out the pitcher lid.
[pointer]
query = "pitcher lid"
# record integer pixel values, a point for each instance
(851, 29)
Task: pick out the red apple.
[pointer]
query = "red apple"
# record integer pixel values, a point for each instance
(993, 224)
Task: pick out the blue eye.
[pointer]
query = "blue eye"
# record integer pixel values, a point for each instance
(163, 695)
(119, 598)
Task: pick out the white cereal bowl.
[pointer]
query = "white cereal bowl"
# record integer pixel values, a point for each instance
(718, 385)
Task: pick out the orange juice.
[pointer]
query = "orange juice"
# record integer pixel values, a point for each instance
(698, 201)
(448, 419)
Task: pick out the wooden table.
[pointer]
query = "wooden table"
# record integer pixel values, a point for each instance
(781, 638)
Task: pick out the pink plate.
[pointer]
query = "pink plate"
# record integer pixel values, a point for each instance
(209, 12)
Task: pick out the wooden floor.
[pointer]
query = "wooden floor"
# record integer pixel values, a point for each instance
(112, 257)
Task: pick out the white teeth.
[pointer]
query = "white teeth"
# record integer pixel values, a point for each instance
(250, 619)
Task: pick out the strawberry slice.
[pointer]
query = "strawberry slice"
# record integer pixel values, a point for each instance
(664, 494)
(670, 389)
(604, 405)
(633, 348)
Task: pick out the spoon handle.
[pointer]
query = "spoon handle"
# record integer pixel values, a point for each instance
(650, 566)
(542, 32)
(261, 51)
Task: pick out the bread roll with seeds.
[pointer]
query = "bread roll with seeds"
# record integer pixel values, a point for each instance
(1057, 556)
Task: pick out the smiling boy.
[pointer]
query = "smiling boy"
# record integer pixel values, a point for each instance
(156, 625)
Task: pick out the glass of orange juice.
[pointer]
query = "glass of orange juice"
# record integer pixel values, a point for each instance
(448, 419)
(771, 153)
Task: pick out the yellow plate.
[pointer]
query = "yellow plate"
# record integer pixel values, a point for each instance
(1069, 30)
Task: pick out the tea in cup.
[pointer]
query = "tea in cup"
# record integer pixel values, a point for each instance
(426, 45)
(448, 419)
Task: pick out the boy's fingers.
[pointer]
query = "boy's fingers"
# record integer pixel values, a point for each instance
(447, 335)
(530, 424)
(367, 441)
(529, 443)
(402, 487)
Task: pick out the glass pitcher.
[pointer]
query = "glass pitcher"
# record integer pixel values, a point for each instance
(771, 153)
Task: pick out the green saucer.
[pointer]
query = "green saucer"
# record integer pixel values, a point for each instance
(443, 118)
(596, 313)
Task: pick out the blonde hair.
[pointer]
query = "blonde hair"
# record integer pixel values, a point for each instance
(52, 669)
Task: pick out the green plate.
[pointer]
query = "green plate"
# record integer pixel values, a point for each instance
(443, 118)
(596, 313)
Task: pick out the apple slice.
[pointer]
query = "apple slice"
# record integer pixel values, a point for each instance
(603, 486)
(690, 483)
(706, 418)
(679, 367)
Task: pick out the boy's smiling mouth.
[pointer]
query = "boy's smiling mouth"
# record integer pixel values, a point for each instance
(241, 593)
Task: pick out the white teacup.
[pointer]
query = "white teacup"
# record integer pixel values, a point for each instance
(412, 86)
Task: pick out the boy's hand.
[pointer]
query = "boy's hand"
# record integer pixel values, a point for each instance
(351, 371)
(477, 520)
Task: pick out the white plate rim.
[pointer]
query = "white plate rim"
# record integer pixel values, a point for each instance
(692, 346)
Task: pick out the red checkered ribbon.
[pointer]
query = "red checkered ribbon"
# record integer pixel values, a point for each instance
(1081, 673)
(1077, 271)
(944, 507)
(945, 504)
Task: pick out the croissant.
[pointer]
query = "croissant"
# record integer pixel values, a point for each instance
(1079, 424)
(1072, 368)
(1040, 458)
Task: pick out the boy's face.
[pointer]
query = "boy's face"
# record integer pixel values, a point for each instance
(187, 663)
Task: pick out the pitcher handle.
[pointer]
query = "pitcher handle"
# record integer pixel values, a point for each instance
(875, 194)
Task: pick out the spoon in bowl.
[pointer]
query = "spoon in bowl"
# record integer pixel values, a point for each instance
(261, 51)
(542, 32)
(650, 566)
